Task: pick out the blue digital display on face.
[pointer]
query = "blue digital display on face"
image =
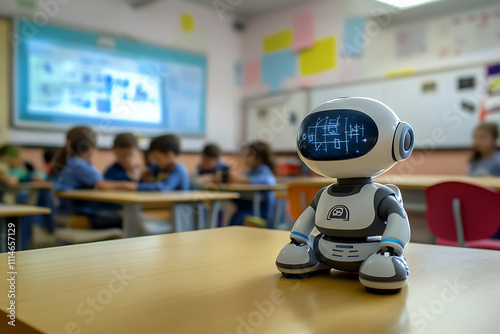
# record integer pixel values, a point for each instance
(336, 135)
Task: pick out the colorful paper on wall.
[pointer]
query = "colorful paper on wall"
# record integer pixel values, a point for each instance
(493, 78)
(187, 22)
(252, 72)
(276, 67)
(238, 73)
(354, 36)
(303, 31)
(321, 57)
(306, 82)
(411, 41)
(400, 73)
(278, 41)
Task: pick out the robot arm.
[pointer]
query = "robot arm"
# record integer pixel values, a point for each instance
(305, 224)
(397, 232)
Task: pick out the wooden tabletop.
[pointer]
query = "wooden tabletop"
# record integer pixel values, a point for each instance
(21, 210)
(35, 185)
(140, 197)
(420, 182)
(241, 187)
(225, 281)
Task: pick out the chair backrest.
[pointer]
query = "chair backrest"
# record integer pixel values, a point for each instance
(479, 210)
(299, 198)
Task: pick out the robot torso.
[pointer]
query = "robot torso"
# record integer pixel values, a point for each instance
(351, 210)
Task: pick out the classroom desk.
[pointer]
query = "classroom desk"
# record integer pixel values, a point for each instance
(17, 211)
(181, 202)
(33, 189)
(252, 189)
(225, 281)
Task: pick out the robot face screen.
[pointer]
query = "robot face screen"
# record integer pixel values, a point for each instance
(336, 135)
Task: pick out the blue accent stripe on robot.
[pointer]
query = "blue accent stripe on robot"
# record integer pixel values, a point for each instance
(300, 235)
(393, 240)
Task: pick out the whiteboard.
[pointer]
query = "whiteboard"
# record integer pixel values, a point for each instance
(438, 116)
(276, 119)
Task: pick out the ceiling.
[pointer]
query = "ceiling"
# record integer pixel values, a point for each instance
(245, 9)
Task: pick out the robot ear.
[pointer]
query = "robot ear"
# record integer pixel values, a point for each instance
(404, 140)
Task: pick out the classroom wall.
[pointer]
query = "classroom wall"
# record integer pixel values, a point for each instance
(159, 24)
(448, 41)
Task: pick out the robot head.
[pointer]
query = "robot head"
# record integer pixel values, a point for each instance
(353, 137)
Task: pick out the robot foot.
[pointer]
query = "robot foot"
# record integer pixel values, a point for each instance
(384, 273)
(298, 261)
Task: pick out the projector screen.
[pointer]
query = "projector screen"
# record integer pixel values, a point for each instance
(65, 77)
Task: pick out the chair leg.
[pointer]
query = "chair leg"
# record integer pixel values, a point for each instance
(457, 217)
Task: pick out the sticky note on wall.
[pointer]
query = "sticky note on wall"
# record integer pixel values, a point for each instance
(303, 31)
(354, 36)
(321, 57)
(276, 67)
(252, 72)
(187, 22)
(278, 41)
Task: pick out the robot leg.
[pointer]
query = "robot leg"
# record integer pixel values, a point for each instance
(299, 261)
(384, 272)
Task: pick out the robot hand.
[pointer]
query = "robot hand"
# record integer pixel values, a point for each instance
(297, 260)
(384, 270)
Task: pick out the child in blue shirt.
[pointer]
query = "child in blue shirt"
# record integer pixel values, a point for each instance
(210, 165)
(72, 169)
(261, 169)
(124, 148)
(169, 174)
(485, 161)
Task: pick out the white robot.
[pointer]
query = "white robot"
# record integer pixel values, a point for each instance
(361, 226)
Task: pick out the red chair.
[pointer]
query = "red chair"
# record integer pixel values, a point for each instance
(462, 214)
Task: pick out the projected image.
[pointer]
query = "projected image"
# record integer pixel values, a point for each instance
(336, 135)
(66, 81)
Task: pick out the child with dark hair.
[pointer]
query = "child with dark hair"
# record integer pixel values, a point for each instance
(261, 167)
(210, 160)
(169, 174)
(124, 147)
(485, 160)
(72, 169)
(210, 165)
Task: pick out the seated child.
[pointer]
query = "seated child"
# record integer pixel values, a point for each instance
(13, 167)
(485, 161)
(72, 169)
(210, 164)
(124, 148)
(261, 168)
(169, 174)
